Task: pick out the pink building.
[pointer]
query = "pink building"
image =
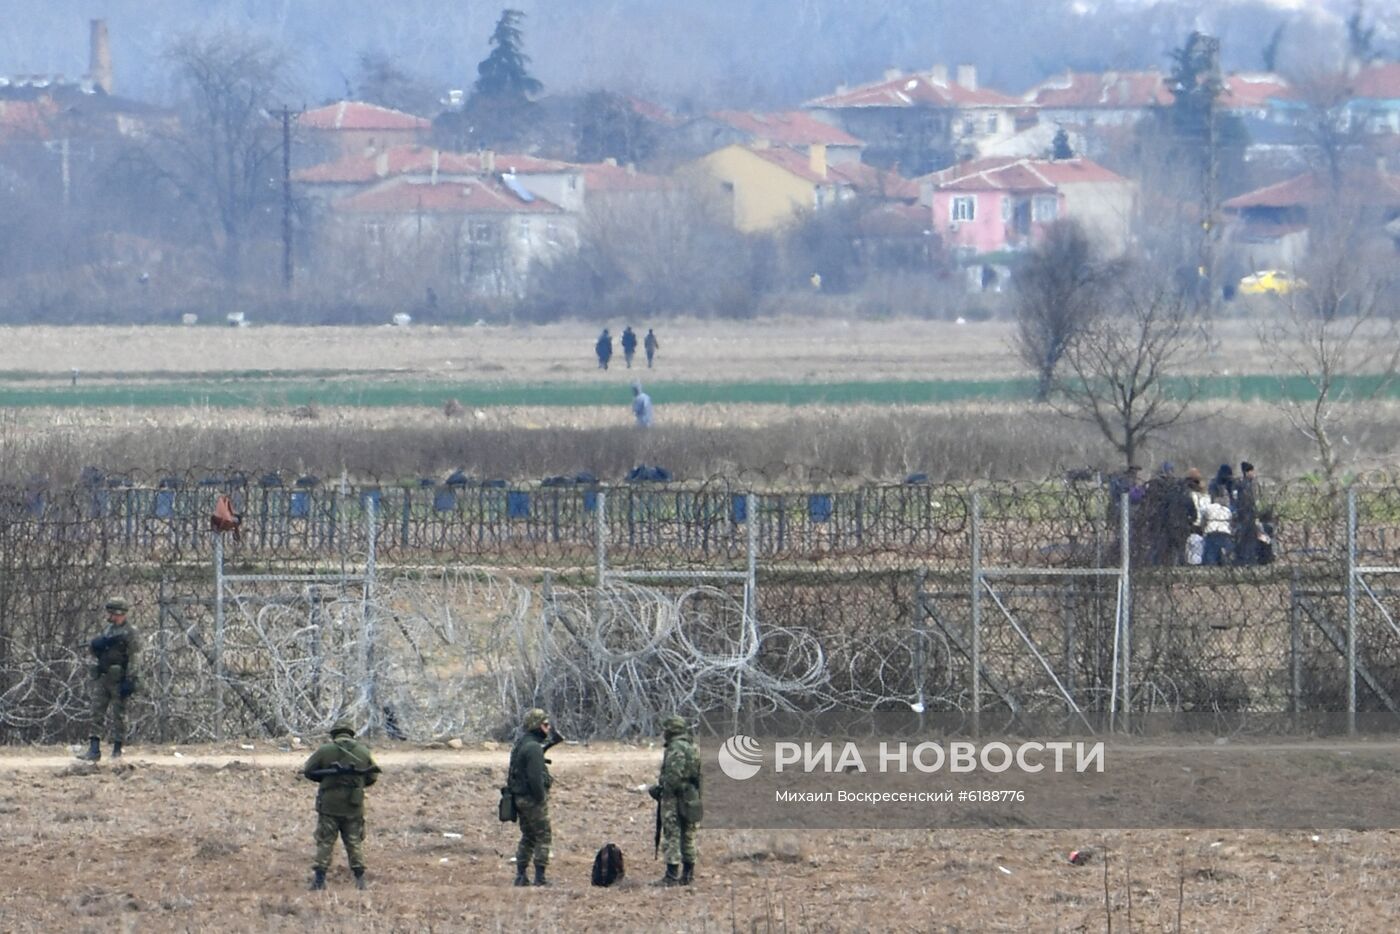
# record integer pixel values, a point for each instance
(992, 205)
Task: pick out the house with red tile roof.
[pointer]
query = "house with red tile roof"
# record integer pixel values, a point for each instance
(1269, 226)
(794, 129)
(922, 121)
(485, 232)
(559, 182)
(354, 128)
(769, 187)
(991, 205)
(1120, 98)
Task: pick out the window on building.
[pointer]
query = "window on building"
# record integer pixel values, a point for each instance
(551, 231)
(964, 208)
(523, 229)
(1046, 208)
(992, 123)
(969, 127)
(480, 232)
(374, 233)
(1006, 208)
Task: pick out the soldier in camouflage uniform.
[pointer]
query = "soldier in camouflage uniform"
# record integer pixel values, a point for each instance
(529, 781)
(344, 768)
(678, 793)
(114, 653)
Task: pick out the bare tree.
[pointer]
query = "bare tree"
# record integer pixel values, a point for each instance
(225, 156)
(1059, 294)
(1123, 373)
(1336, 138)
(1334, 335)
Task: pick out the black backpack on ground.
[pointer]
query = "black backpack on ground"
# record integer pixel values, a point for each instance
(607, 866)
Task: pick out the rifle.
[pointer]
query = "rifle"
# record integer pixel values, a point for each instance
(656, 840)
(100, 644)
(340, 768)
(554, 739)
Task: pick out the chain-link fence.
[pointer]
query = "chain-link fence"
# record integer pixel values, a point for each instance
(439, 608)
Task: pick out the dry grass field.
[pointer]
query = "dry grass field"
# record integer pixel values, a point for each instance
(220, 839)
(821, 350)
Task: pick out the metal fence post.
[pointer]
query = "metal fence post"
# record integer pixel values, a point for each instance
(218, 636)
(1125, 605)
(162, 666)
(976, 532)
(600, 541)
(750, 599)
(1351, 610)
(370, 687)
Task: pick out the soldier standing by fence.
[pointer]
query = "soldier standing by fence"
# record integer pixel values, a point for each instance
(679, 808)
(344, 768)
(529, 781)
(114, 652)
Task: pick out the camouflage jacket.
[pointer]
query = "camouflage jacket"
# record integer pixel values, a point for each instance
(529, 772)
(121, 648)
(342, 795)
(680, 767)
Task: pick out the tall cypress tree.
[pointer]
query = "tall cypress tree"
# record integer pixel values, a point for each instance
(504, 73)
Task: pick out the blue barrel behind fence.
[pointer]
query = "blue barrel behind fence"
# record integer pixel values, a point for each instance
(164, 506)
(819, 507)
(739, 508)
(300, 506)
(34, 503)
(518, 504)
(444, 499)
(97, 506)
(590, 500)
(370, 498)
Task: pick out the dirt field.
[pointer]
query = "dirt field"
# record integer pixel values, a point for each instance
(220, 839)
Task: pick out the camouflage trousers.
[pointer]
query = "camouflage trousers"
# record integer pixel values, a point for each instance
(106, 695)
(536, 835)
(678, 836)
(350, 829)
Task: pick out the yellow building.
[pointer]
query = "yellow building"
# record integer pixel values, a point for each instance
(768, 187)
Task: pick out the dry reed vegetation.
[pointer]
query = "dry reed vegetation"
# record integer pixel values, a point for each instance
(695, 442)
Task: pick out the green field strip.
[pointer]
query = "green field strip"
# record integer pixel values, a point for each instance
(242, 393)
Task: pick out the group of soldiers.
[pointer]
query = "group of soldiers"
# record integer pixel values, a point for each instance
(344, 767)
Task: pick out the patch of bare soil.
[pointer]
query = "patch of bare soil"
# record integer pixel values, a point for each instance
(220, 838)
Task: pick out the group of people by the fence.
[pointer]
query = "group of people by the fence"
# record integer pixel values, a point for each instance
(1188, 520)
(603, 347)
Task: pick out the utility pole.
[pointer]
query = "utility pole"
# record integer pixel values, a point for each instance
(1210, 194)
(287, 198)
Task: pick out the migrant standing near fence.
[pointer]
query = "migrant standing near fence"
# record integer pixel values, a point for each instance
(1196, 539)
(629, 345)
(641, 406)
(115, 651)
(1215, 518)
(529, 782)
(1169, 514)
(1246, 516)
(652, 345)
(344, 768)
(603, 349)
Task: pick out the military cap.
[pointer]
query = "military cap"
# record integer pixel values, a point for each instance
(117, 605)
(535, 719)
(343, 725)
(674, 724)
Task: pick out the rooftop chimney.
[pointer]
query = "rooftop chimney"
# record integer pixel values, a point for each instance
(381, 164)
(967, 77)
(100, 56)
(938, 74)
(892, 73)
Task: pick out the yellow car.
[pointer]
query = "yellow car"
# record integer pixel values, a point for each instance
(1270, 282)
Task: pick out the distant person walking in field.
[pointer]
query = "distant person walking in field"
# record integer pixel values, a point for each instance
(641, 406)
(114, 654)
(603, 349)
(652, 345)
(629, 345)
